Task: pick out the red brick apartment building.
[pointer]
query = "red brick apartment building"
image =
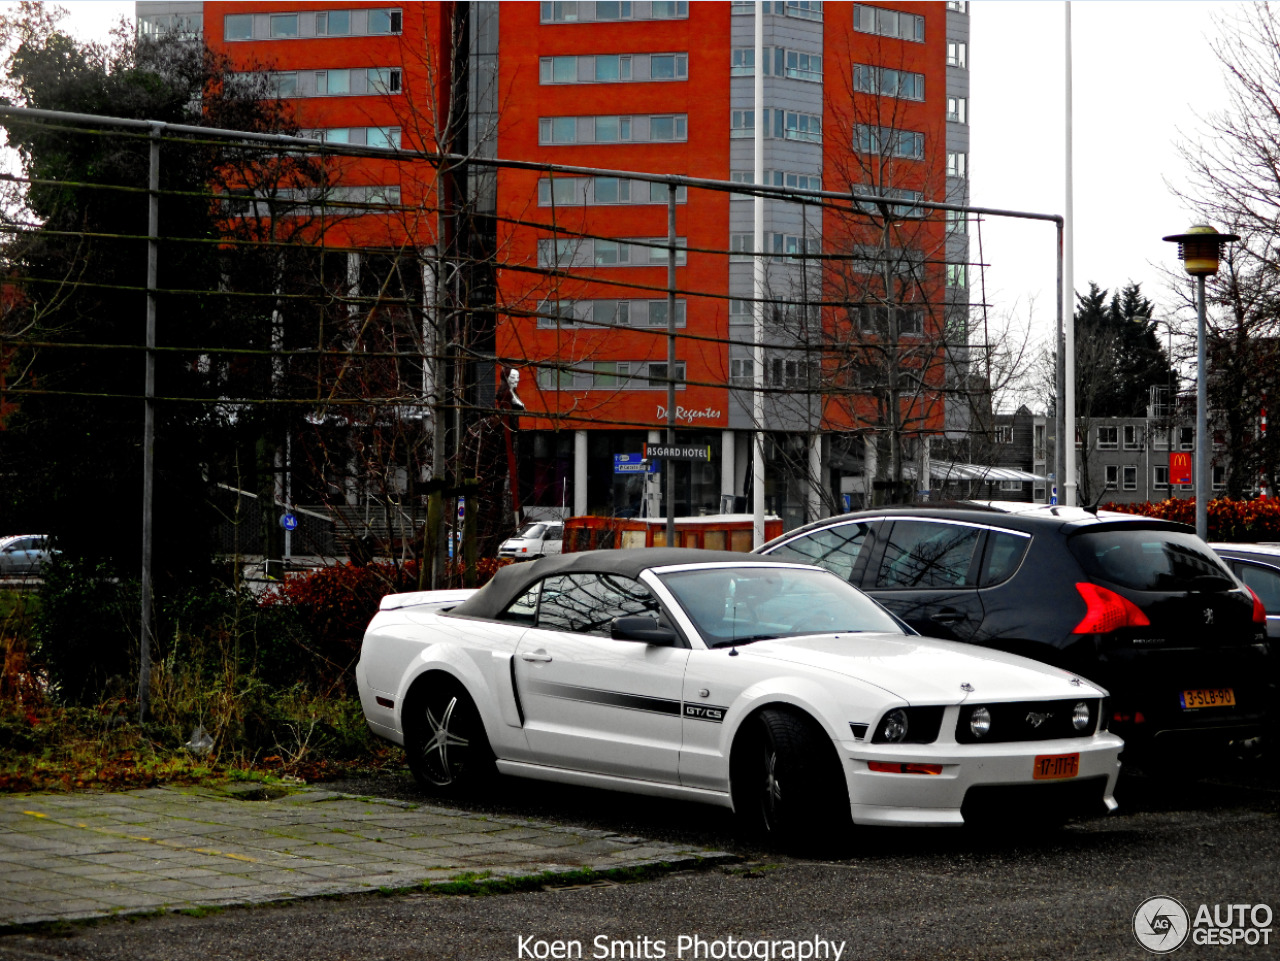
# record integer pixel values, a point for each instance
(868, 98)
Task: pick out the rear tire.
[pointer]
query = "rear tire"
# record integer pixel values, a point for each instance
(787, 783)
(445, 741)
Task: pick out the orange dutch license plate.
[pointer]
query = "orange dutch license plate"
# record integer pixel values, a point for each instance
(1050, 767)
(1210, 697)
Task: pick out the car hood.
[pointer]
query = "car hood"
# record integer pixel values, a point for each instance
(925, 670)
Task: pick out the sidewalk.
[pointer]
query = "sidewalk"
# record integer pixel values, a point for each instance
(70, 857)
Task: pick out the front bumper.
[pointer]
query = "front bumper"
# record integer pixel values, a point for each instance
(988, 775)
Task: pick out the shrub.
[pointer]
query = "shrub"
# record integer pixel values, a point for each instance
(1229, 520)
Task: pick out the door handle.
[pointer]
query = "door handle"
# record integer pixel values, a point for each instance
(535, 656)
(948, 615)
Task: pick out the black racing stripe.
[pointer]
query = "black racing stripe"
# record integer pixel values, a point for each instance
(630, 702)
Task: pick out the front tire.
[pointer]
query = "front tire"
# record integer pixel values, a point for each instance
(445, 741)
(788, 786)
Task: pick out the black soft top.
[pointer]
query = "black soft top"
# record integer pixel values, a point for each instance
(512, 581)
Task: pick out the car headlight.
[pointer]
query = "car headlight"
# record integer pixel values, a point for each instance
(979, 722)
(1081, 716)
(893, 729)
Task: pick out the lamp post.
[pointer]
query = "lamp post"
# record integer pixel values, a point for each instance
(1199, 249)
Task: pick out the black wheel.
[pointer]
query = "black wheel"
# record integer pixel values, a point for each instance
(788, 785)
(445, 742)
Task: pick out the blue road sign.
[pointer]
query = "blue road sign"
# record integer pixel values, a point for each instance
(633, 464)
(462, 508)
(289, 521)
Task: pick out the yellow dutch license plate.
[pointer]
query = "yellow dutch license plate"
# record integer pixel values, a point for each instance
(1209, 697)
(1052, 767)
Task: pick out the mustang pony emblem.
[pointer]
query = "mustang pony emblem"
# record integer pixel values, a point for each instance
(1035, 720)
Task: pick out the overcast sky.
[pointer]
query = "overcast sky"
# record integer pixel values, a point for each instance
(1143, 71)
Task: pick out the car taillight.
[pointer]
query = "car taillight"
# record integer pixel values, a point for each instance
(1105, 611)
(1259, 611)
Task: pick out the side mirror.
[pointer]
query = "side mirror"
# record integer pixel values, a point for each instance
(641, 628)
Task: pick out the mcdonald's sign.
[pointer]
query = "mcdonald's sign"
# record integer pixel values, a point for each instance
(1179, 467)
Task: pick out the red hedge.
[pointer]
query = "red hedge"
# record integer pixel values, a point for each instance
(337, 602)
(1229, 520)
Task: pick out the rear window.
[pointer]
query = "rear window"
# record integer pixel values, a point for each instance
(1151, 560)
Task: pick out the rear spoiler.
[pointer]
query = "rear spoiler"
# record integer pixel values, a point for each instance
(394, 602)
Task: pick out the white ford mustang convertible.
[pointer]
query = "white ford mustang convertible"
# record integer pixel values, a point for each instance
(774, 689)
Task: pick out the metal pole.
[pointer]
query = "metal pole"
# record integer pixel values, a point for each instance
(669, 465)
(757, 292)
(1202, 420)
(1060, 421)
(149, 424)
(1067, 484)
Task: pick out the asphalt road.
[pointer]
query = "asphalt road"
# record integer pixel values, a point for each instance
(901, 894)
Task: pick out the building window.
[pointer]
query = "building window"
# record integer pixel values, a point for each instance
(672, 128)
(1111, 477)
(957, 222)
(333, 23)
(1160, 438)
(888, 23)
(658, 313)
(1160, 478)
(907, 211)
(237, 26)
(658, 376)
(790, 373)
(875, 319)
(957, 164)
(569, 11)
(564, 253)
(284, 25)
(958, 109)
(1004, 434)
(1219, 478)
(382, 22)
(957, 275)
(776, 178)
(383, 79)
(1129, 478)
(662, 128)
(668, 66)
(888, 142)
(740, 371)
(284, 84)
(669, 9)
(1186, 438)
(888, 82)
(804, 66)
(957, 53)
(1108, 438)
(613, 10)
(558, 69)
(777, 246)
(1132, 437)
(1011, 486)
(959, 6)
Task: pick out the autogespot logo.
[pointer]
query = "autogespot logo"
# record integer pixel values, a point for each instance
(1161, 924)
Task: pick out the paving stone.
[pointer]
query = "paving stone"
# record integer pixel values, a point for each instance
(92, 855)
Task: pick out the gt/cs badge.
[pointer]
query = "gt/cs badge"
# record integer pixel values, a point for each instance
(702, 712)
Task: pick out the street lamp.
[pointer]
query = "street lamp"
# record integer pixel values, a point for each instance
(1199, 249)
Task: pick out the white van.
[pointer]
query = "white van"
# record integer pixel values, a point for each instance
(534, 540)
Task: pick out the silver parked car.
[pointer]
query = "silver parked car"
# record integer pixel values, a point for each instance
(24, 554)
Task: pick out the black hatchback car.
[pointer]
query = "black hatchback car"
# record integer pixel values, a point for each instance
(1141, 606)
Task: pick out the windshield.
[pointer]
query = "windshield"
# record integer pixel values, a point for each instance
(532, 531)
(736, 605)
(1151, 560)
